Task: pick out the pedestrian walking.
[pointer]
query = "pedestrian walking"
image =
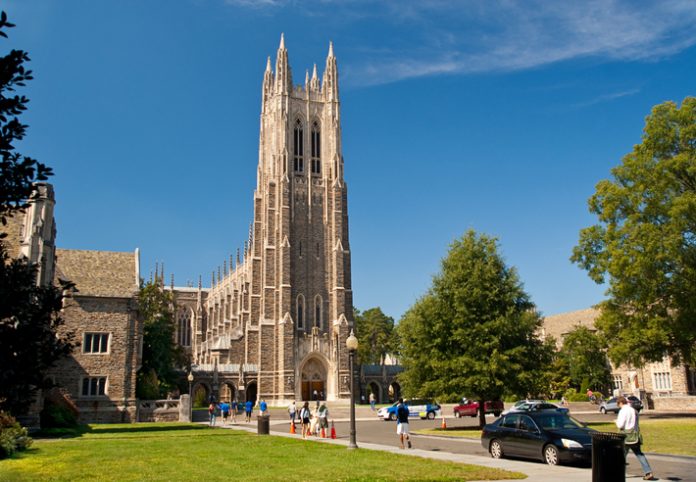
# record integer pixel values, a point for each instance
(292, 411)
(402, 423)
(304, 419)
(372, 401)
(247, 408)
(627, 422)
(323, 417)
(234, 408)
(225, 409)
(263, 407)
(212, 413)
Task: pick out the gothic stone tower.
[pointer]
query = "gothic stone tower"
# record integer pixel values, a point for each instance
(281, 316)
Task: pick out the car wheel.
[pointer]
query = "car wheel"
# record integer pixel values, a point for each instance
(456, 415)
(496, 449)
(551, 455)
(496, 414)
(392, 417)
(602, 410)
(431, 415)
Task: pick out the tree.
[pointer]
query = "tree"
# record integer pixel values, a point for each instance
(161, 355)
(18, 173)
(584, 353)
(474, 332)
(29, 314)
(644, 243)
(375, 332)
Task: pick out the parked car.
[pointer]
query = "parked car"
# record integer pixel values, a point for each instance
(528, 405)
(416, 408)
(550, 435)
(611, 405)
(469, 408)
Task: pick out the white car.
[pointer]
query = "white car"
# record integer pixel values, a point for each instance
(416, 408)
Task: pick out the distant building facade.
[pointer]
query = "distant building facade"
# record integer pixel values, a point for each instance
(652, 381)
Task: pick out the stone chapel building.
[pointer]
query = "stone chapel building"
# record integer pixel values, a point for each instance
(274, 325)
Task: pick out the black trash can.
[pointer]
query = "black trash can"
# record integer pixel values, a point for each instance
(608, 459)
(263, 426)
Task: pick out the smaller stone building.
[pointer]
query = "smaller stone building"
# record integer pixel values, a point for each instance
(100, 374)
(655, 382)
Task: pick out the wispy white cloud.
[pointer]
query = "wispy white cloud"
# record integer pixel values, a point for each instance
(607, 97)
(470, 36)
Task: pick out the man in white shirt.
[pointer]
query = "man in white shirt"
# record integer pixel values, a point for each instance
(627, 422)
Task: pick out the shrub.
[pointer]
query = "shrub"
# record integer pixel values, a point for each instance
(13, 437)
(57, 416)
(572, 395)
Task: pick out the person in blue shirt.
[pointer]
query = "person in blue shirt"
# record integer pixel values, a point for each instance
(249, 405)
(225, 409)
(402, 423)
(263, 407)
(234, 411)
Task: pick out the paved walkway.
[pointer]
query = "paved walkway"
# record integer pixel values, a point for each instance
(534, 472)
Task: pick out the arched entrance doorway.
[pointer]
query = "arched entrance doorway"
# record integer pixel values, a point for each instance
(314, 380)
(227, 392)
(374, 388)
(251, 392)
(394, 392)
(200, 395)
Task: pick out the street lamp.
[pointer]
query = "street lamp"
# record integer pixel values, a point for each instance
(190, 380)
(352, 345)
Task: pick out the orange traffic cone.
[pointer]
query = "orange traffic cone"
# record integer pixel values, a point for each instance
(292, 427)
(333, 430)
(443, 426)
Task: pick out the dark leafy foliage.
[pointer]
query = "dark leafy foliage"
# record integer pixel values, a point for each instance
(13, 437)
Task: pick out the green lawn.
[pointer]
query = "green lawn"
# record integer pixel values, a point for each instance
(676, 436)
(171, 452)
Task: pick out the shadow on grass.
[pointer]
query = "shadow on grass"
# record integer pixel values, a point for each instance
(79, 431)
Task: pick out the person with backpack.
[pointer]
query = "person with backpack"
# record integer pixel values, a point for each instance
(402, 423)
(627, 422)
(212, 413)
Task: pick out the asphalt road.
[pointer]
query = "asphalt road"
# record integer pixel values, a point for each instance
(672, 468)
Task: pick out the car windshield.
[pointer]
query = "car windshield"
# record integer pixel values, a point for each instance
(557, 421)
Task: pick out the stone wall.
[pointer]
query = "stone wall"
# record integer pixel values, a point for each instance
(678, 404)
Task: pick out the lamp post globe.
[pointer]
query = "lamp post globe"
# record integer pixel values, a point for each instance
(352, 345)
(190, 380)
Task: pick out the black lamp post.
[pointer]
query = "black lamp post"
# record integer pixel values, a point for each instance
(352, 345)
(190, 380)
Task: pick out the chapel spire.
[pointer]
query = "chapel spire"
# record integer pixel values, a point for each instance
(283, 76)
(330, 80)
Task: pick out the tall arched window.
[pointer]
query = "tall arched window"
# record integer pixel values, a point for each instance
(317, 312)
(316, 149)
(298, 147)
(184, 326)
(300, 311)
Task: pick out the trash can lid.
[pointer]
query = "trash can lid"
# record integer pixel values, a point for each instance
(607, 436)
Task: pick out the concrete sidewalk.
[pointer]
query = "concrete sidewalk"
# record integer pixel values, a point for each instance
(536, 472)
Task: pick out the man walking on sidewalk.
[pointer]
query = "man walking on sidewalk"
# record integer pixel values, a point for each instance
(402, 423)
(627, 422)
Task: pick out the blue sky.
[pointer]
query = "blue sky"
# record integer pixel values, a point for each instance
(496, 116)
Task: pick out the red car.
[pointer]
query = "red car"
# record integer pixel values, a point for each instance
(470, 408)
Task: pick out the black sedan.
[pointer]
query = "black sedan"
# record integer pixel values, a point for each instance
(549, 435)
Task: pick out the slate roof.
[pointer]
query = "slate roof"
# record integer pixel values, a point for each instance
(560, 325)
(99, 273)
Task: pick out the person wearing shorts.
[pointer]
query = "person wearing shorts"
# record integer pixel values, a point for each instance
(402, 423)
(305, 415)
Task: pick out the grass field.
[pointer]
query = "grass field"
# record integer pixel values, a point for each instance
(676, 436)
(172, 452)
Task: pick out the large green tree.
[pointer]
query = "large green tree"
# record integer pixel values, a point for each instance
(161, 355)
(644, 244)
(29, 314)
(375, 332)
(475, 332)
(584, 353)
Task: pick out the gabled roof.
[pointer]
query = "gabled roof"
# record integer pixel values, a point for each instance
(99, 273)
(563, 323)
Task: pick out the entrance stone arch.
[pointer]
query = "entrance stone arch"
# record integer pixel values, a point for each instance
(228, 392)
(313, 377)
(394, 392)
(201, 395)
(373, 387)
(251, 392)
